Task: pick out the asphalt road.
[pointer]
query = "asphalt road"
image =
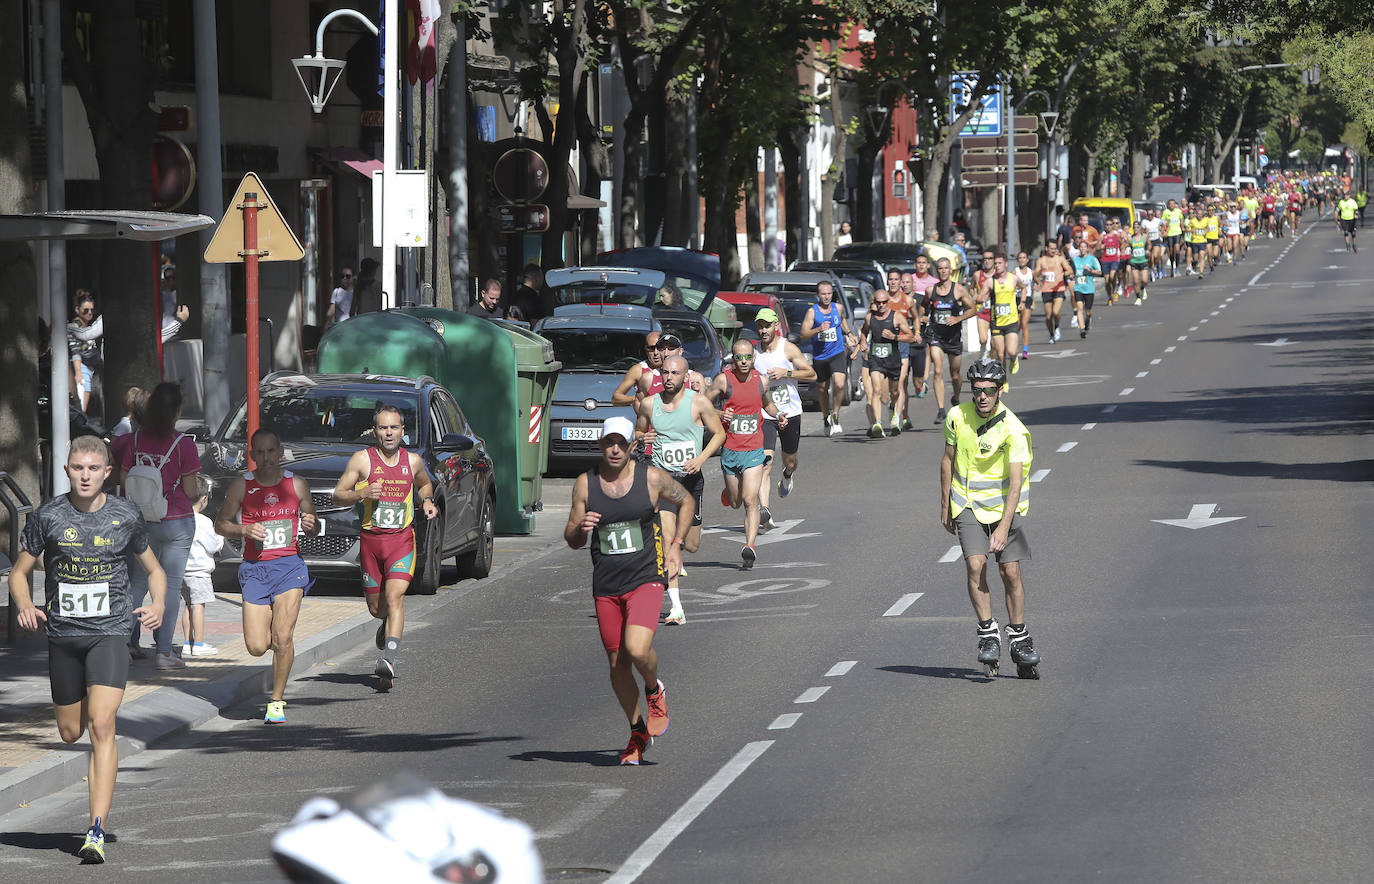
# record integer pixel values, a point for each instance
(1202, 714)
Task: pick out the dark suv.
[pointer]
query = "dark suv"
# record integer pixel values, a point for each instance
(322, 419)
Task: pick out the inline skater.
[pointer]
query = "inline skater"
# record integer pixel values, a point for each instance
(783, 364)
(85, 540)
(1347, 208)
(984, 500)
(882, 329)
(380, 479)
(949, 305)
(618, 501)
(1085, 267)
(1173, 234)
(1052, 274)
(828, 331)
(265, 509)
(746, 400)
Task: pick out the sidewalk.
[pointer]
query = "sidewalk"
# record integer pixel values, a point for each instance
(35, 762)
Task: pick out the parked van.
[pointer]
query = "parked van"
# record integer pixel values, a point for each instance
(1099, 208)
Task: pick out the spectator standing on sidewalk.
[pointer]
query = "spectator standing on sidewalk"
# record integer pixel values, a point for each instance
(341, 299)
(197, 586)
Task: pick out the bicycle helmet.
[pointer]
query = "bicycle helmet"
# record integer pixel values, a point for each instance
(987, 370)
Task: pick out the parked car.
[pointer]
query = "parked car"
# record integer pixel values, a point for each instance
(1099, 208)
(597, 344)
(692, 275)
(321, 420)
(901, 255)
(870, 272)
(748, 305)
(795, 306)
(787, 280)
(858, 293)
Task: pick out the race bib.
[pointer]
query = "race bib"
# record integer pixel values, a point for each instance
(388, 514)
(744, 424)
(81, 600)
(829, 335)
(279, 534)
(673, 455)
(781, 395)
(619, 538)
(1047, 276)
(882, 350)
(1002, 310)
(942, 316)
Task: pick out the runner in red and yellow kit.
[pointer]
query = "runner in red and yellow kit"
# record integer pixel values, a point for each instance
(380, 480)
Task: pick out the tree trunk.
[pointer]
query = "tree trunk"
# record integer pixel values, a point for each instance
(867, 203)
(596, 167)
(19, 300)
(1223, 142)
(677, 165)
(1138, 161)
(753, 215)
(794, 213)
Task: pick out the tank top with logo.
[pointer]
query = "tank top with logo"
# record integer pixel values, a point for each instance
(1004, 301)
(278, 509)
(827, 344)
(744, 430)
(678, 436)
(882, 352)
(783, 392)
(941, 307)
(394, 512)
(627, 543)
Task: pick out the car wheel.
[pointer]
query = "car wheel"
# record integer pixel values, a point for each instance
(431, 564)
(476, 563)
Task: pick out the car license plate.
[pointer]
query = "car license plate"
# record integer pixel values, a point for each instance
(588, 433)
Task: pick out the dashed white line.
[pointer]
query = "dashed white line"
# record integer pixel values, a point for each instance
(1254, 279)
(1090, 426)
(1185, 337)
(1067, 446)
(954, 553)
(811, 695)
(841, 668)
(1221, 306)
(1191, 328)
(1037, 476)
(1108, 409)
(784, 721)
(1170, 349)
(1202, 321)
(902, 604)
(1215, 313)
(1156, 361)
(647, 852)
(1142, 374)
(1126, 392)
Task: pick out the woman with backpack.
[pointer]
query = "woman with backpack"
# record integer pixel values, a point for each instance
(158, 467)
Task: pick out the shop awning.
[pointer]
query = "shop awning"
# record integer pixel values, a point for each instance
(354, 159)
(106, 224)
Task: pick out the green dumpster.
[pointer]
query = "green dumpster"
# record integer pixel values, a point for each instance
(721, 315)
(382, 343)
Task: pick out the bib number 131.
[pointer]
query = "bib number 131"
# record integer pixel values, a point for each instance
(619, 538)
(388, 514)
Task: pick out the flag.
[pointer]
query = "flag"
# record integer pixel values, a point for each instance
(422, 55)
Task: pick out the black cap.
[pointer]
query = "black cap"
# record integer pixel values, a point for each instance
(668, 341)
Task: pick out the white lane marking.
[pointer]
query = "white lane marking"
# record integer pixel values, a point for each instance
(1037, 476)
(1190, 328)
(1216, 313)
(1221, 306)
(1090, 426)
(1156, 361)
(1067, 446)
(1254, 279)
(902, 604)
(784, 721)
(1142, 374)
(1185, 337)
(811, 695)
(1170, 349)
(841, 668)
(1108, 409)
(1202, 322)
(1126, 392)
(647, 852)
(954, 553)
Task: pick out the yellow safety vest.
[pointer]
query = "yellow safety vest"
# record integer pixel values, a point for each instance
(982, 464)
(1348, 208)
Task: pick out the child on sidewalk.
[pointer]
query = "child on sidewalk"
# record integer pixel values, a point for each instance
(197, 587)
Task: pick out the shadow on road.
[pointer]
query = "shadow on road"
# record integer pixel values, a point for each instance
(357, 740)
(63, 842)
(1342, 471)
(590, 757)
(939, 672)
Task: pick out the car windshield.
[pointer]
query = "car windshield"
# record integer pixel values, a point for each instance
(796, 309)
(310, 415)
(594, 291)
(696, 347)
(595, 349)
(854, 297)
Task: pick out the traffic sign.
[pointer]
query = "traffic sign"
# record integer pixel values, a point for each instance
(276, 242)
(999, 176)
(1022, 140)
(1025, 123)
(987, 117)
(1025, 159)
(526, 218)
(521, 175)
(1263, 160)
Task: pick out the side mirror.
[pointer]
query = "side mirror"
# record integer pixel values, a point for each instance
(456, 442)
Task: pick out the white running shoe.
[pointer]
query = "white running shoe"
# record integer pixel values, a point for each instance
(675, 617)
(200, 649)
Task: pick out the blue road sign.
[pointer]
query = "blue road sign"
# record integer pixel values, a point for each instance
(987, 119)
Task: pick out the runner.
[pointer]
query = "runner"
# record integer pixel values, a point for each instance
(984, 499)
(1085, 267)
(921, 282)
(1005, 294)
(618, 501)
(1346, 211)
(1025, 282)
(949, 305)
(1173, 234)
(85, 540)
(1197, 243)
(629, 391)
(828, 331)
(265, 509)
(380, 479)
(1267, 205)
(1213, 233)
(1294, 209)
(671, 422)
(883, 328)
(982, 294)
(1153, 226)
(1052, 274)
(1230, 232)
(783, 364)
(1112, 249)
(904, 304)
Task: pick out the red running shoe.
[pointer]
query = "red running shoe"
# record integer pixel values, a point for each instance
(658, 711)
(634, 752)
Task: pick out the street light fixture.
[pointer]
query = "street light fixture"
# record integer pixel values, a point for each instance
(328, 71)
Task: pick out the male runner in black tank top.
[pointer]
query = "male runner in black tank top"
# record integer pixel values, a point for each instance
(615, 506)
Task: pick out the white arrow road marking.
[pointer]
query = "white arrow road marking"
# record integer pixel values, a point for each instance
(777, 535)
(1199, 516)
(954, 553)
(1277, 342)
(1061, 354)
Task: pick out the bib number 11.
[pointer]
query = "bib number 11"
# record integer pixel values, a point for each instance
(619, 538)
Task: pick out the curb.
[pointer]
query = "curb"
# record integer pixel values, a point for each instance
(170, 712)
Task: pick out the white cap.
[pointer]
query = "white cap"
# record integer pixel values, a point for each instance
(617, 426)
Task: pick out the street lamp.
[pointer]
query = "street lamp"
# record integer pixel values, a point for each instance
(328, 71)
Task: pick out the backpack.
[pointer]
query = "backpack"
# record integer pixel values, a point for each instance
(143, 482)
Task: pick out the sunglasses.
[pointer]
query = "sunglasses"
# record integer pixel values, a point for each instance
(348, 276)
(985, 391)
(880, 303)
(86, 310)
(743, 357)
(663, 346)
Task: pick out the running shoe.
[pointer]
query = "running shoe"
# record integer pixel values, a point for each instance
(875, 431)
(895, 428)
(385, 671)
(940, 416)
(1016, 365)
(748, 556)
(658, 711)
(681, 572)
(1139, 300)
(381, 636)
(634, 752)
(1083, 333)
(835, 428)
(200, 649)
(907, 424)
(276, 712)
(1057, 333)
(675, 617)
(1073, 323)
(92, 850)
(138, 652)
(724, 497)
(785, 484)
(1025, 352)
(921, 389)
(170, 661)
(766, 518)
